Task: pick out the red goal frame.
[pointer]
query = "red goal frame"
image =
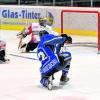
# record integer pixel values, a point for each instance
(83, 11)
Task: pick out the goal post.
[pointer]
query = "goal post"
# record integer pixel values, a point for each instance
(69, 15)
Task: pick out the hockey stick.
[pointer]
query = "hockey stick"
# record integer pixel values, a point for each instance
(23, 57)
(20, 43)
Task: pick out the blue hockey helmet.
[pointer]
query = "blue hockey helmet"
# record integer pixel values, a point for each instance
(42, 33)
(68, 38)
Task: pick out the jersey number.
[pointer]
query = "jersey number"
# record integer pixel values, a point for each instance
(42, 56)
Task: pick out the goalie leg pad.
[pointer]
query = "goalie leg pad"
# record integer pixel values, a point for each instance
(31, 46)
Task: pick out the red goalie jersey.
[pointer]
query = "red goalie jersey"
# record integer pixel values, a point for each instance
(35, 28)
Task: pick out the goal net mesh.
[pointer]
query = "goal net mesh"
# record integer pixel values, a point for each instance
(83, 26)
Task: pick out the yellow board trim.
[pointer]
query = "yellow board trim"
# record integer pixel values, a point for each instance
(18, 20)
(78, 32)
(70, 32)
(12, 27)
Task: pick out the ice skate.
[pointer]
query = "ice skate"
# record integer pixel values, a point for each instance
(4, 60)
(50, 85)
(64, 79)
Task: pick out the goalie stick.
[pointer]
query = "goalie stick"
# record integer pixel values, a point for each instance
(20, 43)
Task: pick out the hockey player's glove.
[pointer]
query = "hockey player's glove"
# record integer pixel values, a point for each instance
(67, 38)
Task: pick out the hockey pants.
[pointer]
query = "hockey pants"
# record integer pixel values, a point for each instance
(64, 67)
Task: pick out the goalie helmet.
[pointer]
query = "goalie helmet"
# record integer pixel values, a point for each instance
(43, 21)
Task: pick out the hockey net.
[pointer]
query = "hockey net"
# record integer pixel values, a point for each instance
(83, 25)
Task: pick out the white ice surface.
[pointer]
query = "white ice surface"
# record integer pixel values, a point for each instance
(19, 79)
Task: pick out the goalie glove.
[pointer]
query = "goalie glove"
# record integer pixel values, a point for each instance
(21, 35)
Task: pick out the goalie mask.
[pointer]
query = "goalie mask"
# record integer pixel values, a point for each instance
(43, 21)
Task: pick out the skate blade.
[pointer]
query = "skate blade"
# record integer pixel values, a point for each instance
(6, 62)
(50, 86)
(64, 82)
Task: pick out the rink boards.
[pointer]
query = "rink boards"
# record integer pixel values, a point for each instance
(19, 17)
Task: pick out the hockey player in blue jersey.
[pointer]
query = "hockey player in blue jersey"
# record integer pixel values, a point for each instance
(52, 60)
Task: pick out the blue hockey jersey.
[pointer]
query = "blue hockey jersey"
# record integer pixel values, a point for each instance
(47, 55)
